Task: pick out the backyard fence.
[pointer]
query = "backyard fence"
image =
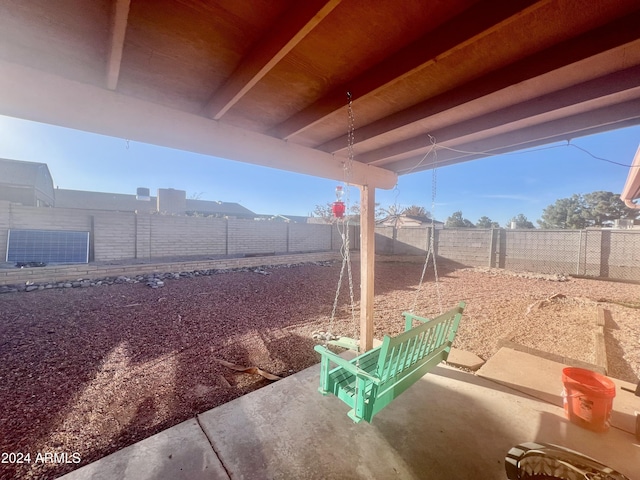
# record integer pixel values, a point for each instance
(611, 254)
(131, 235)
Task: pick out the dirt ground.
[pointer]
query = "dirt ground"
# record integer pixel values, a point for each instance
(89, 371)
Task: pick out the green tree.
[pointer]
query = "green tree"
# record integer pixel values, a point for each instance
(486, 222)
(456, 220)
(521, 222)
(565, 213)
(589, 210)
(601, 208)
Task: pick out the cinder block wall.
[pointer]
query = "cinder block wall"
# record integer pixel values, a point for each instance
(620, 255)
(592, 247)
(128, 235)
(114, 235)
(309, 237)
(385, 240)
(189, 236)
(250, 236)
(468, 246)
(338, 231)
(544, 251)
(411, 241)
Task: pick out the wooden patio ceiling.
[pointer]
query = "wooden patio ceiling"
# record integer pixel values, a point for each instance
(266, 81)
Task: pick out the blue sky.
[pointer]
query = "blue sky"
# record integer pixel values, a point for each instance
(499, 187)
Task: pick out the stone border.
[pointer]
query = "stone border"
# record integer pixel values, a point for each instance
(87, 275)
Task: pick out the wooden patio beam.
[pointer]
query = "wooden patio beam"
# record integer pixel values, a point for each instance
(42, 97)
(597, 41)
(118, 31)
(476, 22)
(367, 265)
(605, 86)
(288, 31)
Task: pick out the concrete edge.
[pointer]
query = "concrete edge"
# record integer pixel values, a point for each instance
(550, 356)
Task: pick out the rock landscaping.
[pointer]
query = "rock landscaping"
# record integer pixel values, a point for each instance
(91, 370)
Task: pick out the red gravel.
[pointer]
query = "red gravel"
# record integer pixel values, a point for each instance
(92, 370)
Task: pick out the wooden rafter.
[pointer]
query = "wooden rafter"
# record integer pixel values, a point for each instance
(621, 115)
(474, 23)
(281, 39)
(607, 37)
(116, 41)
(605, 86)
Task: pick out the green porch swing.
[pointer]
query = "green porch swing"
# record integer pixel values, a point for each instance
(372, 380)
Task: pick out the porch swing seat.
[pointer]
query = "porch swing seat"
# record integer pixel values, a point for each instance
(372, 380)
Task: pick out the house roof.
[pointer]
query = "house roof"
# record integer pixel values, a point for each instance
(288, 218)
(129, 203)
(101, 201)
(19, 173)
(221, 208)
(422, 220)
(266, 82)
(631, 190)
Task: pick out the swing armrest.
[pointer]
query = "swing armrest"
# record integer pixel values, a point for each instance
(346, 364)
(410, 317)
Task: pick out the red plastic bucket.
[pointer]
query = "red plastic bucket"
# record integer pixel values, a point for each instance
(587, 398)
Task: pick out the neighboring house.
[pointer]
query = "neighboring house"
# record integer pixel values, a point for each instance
(26, 183)
(222, 209)
(626, 223)
(168, 200)
(283, 218)
(102, 201)
(404, 221)
(30, 184)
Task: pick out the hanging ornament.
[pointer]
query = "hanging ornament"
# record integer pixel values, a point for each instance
(338, 207)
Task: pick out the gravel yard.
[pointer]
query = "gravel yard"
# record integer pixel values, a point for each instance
(92, 370)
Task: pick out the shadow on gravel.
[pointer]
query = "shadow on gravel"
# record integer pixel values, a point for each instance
(618, 366)
(57, 352)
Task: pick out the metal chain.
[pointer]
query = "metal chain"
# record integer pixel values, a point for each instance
(431, 252)
(329, 335)
(350, 155)
(345, 250)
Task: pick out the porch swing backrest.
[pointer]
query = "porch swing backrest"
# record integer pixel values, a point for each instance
(382, 374)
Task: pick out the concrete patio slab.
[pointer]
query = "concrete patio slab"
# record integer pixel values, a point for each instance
(542, 378)
(450, 424)
(180, 453)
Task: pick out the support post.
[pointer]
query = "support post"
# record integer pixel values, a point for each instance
(367, 263)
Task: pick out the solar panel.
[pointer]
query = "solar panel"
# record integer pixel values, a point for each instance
(48, 246)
